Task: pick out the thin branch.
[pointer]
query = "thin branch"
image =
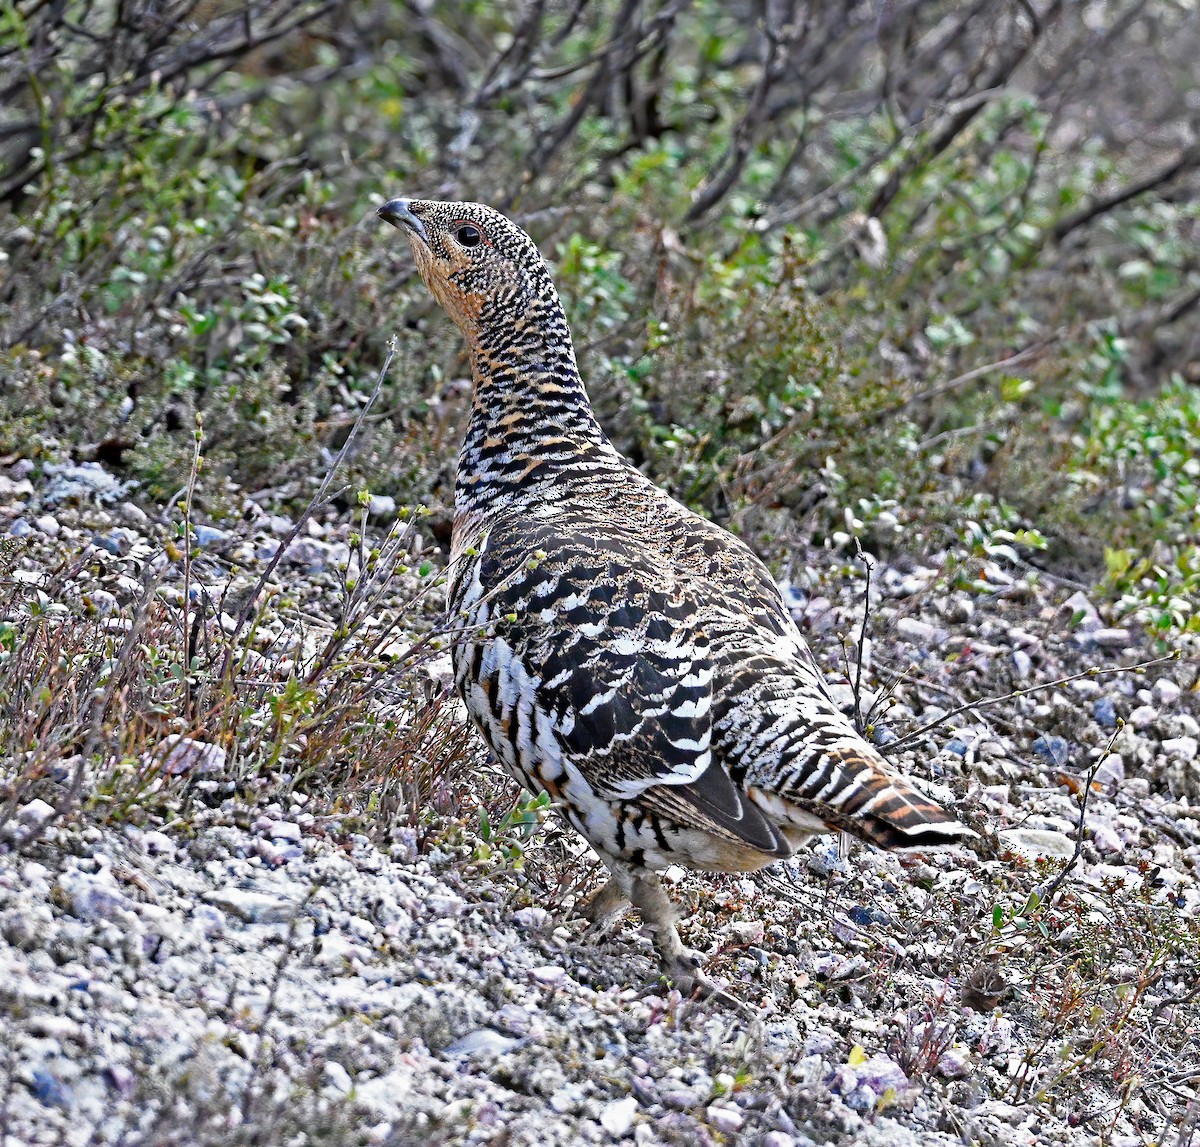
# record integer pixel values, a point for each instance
(1056, 883)
(1188, 158)
(317, 501)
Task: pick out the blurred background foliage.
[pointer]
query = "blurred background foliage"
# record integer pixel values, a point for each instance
(922, 273)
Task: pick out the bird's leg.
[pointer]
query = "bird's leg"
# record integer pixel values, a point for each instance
(678, 964)
(603, 908)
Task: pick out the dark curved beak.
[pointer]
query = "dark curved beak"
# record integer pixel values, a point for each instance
(398, 213)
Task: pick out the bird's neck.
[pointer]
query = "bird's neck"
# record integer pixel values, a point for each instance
(531, 420)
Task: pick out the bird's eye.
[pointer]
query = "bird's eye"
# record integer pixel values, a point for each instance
(468, 235)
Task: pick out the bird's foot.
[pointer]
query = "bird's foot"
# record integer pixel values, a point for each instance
(682, 971)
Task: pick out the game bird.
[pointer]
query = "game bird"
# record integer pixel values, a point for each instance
(619, 652)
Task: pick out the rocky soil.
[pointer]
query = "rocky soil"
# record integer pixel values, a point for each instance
(285, 963)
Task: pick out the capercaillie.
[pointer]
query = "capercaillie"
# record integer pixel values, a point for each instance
(630, 658)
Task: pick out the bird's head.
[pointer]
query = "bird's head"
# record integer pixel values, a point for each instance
(481, 267)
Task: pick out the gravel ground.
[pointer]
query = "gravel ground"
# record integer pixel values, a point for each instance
(264, 966)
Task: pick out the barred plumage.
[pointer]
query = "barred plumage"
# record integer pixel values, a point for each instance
(630, 658)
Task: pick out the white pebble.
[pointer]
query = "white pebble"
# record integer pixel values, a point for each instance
(617, 1117)
(339, 1078)
(919, 632)
(381, 505)
(158, 844)
(1186, 748)
(725, 1119)
(532, 916)
(1165, 691)
(1143, 716)
(1105, 838)
(445, 904)
(1037, 842)
(35, 813)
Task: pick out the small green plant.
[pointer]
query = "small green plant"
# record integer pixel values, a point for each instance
(505, 841)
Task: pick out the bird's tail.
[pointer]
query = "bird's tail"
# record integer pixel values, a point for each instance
(850, 789)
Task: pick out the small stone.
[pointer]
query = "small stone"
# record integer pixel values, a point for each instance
(176, 754)
(49, 1089)
(158, 844)
(54, 1027)
(681, 1098)
(1079, 606)
(1112, 638)
(549, 974)
(825, 858)
(1056, 750)
(112, 543)
(1186, 748)
(1038, 842)
(445, 904)
(533, 916)
(862, 1098)
(35, 813)
(86, 480)
(20, 529)
(918, 632)
(308, 552)
(102, 602)
(19, 489)
(617, 1117)
(284, 830)
(1165, 691)
(727, 1120)
(1105, 838)
(381, 505)
(1111, 770)
(881, 1073)
(1022, 664)
(483, 1043)
(1143, 716)
(863, 915)
(1105, 713)
(120, 1077)
(48, 524)
(92, 898)
(206, 536)
(954, 1063)
(338, 1078)
(252, 907)
(746, 932)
